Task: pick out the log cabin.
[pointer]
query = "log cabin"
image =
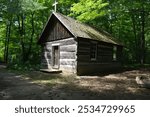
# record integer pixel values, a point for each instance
(73, 47)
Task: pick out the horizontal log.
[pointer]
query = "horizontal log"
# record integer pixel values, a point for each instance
(98, 65)
(68, 48)
(83, 58)
(67, 55)
(86, 68)
(68, 41)
(105, 54)
(83, 53)
(67, 67)
(104, 60)
(104, 51)
(104, 46)
(84, 48)
(84, 43)
(71, 62)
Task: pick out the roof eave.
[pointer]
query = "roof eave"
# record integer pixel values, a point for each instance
(115, 43)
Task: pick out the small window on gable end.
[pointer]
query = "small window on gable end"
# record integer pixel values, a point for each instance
(114, 53)
(93, 51)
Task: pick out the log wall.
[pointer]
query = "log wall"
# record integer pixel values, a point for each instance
(104, 59)
(104, 51)
(75, 56)
(67, 61)
(97, 68)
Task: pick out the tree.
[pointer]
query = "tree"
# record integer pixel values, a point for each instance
(139, 14)
(88, 10)
(27, 7)
(16, 14)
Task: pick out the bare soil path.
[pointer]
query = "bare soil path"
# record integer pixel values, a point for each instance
(43, 86)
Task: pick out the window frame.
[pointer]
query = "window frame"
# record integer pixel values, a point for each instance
(114, 53)
(52, 55)
(95, 51)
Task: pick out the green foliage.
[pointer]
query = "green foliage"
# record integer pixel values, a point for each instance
(23, 15)
(2, 36)
(65, 5)
(26, 19)
(31, 6)
(88, 10)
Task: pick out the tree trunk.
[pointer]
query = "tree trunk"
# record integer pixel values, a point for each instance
(8, 33)
(22, 33)
(6, 44)
(32, 36)
(134, 27)
(142, 45)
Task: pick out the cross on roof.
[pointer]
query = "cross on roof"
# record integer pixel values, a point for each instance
(55, 5)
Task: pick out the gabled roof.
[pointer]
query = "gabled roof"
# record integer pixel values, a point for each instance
(78, 29)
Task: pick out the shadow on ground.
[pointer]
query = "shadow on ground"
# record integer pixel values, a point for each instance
(42, 86)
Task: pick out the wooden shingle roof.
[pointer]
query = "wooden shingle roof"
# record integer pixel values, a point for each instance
(78, 29)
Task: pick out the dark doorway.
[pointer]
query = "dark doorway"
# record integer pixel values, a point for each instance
(55, 55)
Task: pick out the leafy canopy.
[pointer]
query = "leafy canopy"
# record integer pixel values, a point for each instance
(87, 10)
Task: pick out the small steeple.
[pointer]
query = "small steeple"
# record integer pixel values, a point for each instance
(55, 5)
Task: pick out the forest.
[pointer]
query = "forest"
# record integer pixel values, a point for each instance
(22, 21)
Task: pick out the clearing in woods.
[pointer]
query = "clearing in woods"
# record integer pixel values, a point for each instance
(37, 85)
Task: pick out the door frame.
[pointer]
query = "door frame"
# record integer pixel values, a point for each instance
(53, 56)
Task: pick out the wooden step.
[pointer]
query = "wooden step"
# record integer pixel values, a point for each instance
(51, 70)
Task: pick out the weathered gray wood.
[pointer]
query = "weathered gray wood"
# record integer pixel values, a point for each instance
(68, 67)
(51, 70)
(71, 62)
(58, 31)
(68, 48)
(67, 55)
(67, 41)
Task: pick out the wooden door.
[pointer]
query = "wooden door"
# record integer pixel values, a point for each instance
(55, 57)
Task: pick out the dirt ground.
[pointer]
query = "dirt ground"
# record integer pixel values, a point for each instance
(36, 85)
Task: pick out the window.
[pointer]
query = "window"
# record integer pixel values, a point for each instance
(114, 53)
(93, 52)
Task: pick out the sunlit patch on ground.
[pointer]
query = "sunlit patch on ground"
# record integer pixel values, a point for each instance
(38, 85)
